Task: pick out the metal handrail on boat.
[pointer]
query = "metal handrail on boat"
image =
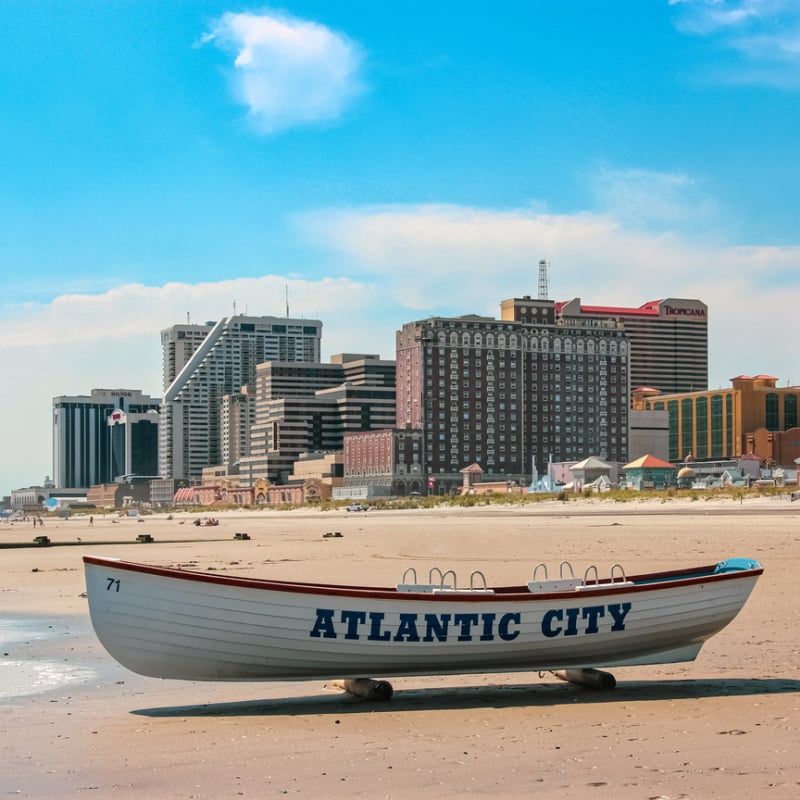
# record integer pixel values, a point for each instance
(472, 580)
(437, 582)
(412, 571)
(444, 576)
(614, 569)
(591, 569)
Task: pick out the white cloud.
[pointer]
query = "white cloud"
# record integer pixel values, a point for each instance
(134, 310)
(766, 33)
(468, 259)
(289, 72)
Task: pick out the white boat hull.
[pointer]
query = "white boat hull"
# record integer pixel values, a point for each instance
(193, 626)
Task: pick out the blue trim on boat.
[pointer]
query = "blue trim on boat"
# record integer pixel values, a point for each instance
(736, 565)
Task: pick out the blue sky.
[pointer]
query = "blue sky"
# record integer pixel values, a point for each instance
(385, 161)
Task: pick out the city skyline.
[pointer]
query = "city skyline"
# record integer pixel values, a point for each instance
(152, 174)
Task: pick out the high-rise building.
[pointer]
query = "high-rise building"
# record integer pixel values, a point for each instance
(238, 415)
(304, 408)
(507, 393)
(134, 444)
(82, 436)
(669, 340)
(203, 363)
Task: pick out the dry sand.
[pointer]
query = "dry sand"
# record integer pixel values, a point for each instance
(74, 724)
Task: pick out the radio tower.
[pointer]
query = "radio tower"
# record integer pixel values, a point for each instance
(543, 287)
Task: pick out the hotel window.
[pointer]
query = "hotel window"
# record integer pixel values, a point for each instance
(672, 412)
(772, 421)
(789, 411)
(701, 416)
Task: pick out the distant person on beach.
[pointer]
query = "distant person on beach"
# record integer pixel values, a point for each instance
(91, 522)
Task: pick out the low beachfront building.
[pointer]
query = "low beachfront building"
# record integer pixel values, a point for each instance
(593, 473)
(649, 472)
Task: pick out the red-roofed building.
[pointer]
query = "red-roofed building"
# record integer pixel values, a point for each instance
(649, 472)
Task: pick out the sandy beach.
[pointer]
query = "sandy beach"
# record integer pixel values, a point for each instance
(74, 724)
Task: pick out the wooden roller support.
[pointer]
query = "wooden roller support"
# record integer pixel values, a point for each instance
(594, 678)
(365, 688)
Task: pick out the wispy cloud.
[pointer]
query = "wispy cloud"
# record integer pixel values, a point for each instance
(135, 310)
(289, 72)
(456, 259)
(647, 198)
(764, 33)
(707, 16)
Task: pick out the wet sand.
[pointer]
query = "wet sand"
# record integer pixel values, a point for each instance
(74, 724)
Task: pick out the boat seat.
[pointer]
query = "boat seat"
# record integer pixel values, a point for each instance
(562, 585)
(423, 587)
(448, 590)
(587, 587)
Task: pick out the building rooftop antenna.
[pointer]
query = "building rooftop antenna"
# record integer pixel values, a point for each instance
(543, 280)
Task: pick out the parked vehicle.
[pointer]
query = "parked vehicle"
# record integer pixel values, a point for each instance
(357, 507)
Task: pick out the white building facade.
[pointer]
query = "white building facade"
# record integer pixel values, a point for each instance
(202, 364)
